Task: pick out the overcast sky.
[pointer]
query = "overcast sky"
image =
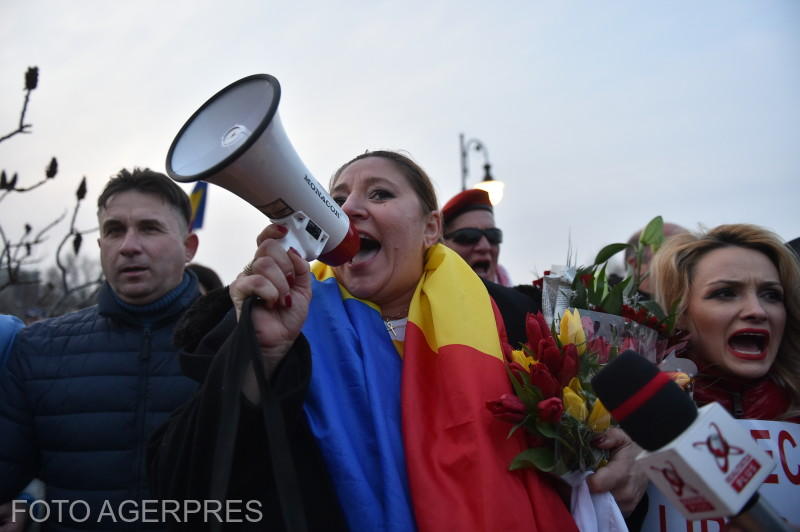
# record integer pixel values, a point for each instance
(598, 115)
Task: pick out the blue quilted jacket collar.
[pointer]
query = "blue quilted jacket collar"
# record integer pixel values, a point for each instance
(182, 297)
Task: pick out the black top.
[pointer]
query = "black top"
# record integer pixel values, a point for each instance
(514, 303)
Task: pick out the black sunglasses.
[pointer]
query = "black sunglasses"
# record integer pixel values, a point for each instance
(469, 236)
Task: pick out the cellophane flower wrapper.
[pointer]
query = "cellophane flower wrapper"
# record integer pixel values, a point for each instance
(617, 334)
(557, 291)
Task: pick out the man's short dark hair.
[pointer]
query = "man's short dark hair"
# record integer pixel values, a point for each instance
(147, 181)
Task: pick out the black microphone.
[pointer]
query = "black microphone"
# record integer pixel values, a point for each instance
(637, 394)
(703, 461)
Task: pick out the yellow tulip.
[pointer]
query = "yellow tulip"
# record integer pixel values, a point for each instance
(571, 331)
(681, 379)
(519, 356)
(576, 386)
(574, 405)
(599, 418)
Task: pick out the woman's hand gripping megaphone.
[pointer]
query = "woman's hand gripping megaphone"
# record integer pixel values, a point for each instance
(279, 281)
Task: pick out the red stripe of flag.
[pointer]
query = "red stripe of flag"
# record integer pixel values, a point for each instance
(644, 394)
(457, 453)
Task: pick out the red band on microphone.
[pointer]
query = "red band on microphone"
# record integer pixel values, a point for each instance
(644, 394)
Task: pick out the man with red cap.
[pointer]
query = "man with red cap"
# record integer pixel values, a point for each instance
(470, 231)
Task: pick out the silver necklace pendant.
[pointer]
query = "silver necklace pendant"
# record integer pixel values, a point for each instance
(396, 328)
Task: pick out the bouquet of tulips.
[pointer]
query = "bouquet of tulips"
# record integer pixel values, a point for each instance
(553, 399)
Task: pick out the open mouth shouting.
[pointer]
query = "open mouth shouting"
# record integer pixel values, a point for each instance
(481, 267)
(749, 344)
(369, 249)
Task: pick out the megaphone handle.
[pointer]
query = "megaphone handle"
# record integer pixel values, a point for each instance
(306, 237)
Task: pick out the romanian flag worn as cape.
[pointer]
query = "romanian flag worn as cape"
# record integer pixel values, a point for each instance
(407, 438)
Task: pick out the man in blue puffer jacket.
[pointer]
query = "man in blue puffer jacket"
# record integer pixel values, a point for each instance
(81, 393)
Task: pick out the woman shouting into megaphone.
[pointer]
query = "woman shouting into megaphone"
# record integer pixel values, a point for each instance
(352, 397)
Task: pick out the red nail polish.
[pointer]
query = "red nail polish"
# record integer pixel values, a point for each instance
(290, 279)
(292, 250)
(287, 301)
(283, 229)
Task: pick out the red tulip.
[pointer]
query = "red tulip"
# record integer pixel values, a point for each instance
(550, 410)
(536, 328)
(550, 356)
(544, 380)
(507, 408)
(569, 364)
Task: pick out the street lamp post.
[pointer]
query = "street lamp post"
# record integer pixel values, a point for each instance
(489, 184)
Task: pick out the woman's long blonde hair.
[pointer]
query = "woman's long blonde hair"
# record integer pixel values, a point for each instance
(673, 266)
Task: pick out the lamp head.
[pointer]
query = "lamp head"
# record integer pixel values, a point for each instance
(493, 187)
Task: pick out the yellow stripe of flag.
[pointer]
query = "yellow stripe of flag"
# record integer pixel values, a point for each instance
(455, 295)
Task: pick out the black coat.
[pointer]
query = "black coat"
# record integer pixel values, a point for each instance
(185, 453)
(514, 303)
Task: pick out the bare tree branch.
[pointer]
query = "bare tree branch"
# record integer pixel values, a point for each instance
(31, 81)
(16, 256)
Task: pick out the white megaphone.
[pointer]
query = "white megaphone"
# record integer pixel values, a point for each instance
(236, 140)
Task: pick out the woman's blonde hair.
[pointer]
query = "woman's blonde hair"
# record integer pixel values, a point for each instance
(673, 266)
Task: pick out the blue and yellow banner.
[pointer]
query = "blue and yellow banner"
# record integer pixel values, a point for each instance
(198, 201)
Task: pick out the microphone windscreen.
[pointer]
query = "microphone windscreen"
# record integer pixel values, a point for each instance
(647, 404)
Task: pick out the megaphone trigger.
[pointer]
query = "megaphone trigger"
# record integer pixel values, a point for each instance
(303, 235)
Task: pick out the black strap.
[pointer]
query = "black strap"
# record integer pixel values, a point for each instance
(230, 404)
(245, 351)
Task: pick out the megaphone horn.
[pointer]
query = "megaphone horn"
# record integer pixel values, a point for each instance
(236, 140)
